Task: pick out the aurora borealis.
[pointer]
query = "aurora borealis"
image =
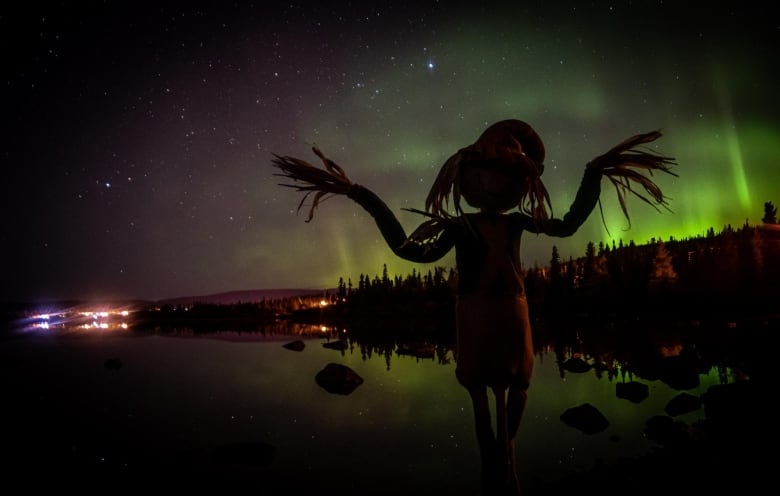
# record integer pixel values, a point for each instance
(137, 141)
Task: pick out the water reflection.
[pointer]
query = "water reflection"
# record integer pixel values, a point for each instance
(182, 394)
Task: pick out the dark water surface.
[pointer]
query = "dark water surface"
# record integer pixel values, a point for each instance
(176, 401)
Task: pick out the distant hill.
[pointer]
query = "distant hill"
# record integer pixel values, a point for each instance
(243, 296)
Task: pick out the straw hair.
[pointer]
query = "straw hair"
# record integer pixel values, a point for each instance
(624, 165)
(324, 183)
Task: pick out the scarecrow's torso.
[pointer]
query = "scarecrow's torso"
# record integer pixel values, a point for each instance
(488, 256)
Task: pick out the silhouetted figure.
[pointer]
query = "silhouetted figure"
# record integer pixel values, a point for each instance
(499, 172)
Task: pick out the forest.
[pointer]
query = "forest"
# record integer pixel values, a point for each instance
(720, 276)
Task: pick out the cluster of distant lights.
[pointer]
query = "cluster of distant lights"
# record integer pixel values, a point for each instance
(87, 320)
(111, 320)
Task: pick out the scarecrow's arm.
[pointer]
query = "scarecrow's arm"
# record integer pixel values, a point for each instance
(623, 166)
(580, 209)
(428, 243)
(431, 241)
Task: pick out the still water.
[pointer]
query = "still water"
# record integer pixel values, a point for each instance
(407, 428)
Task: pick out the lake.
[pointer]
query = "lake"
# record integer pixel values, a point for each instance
(174, 402)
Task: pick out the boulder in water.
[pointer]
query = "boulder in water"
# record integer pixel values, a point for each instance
(338, 379)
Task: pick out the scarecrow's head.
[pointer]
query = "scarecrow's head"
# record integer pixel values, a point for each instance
(500, 171)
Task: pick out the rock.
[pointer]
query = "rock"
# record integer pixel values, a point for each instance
(586, 418)
(296, 345)
(679, 372)
(741, 415)
(338, 379)
(113, 364)
(733, 403)
(339, 344)
(665, 430)
(251, 453)
(682, 403)
(633, 391)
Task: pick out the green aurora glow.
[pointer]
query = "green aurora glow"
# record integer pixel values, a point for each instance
(165, 161)
(582, 103)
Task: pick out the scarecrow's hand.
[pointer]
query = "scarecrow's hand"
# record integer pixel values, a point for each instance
(606, 161)
(312, 180)
(630, 170)
(332, 167)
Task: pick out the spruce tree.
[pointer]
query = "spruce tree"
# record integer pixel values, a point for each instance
(770, 213)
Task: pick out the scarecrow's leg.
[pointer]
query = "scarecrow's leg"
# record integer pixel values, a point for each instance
(485, 437)
(516, 399)
(505, 445)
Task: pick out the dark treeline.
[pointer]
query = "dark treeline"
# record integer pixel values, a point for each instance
(730, 274)
(241, 316)
(416, 304)
(724, 276)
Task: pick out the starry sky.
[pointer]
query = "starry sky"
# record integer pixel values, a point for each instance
(137, 141)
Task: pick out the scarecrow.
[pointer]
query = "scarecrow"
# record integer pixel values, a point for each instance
(499, 173)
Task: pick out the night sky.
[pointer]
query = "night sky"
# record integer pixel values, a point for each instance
(137, 142)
